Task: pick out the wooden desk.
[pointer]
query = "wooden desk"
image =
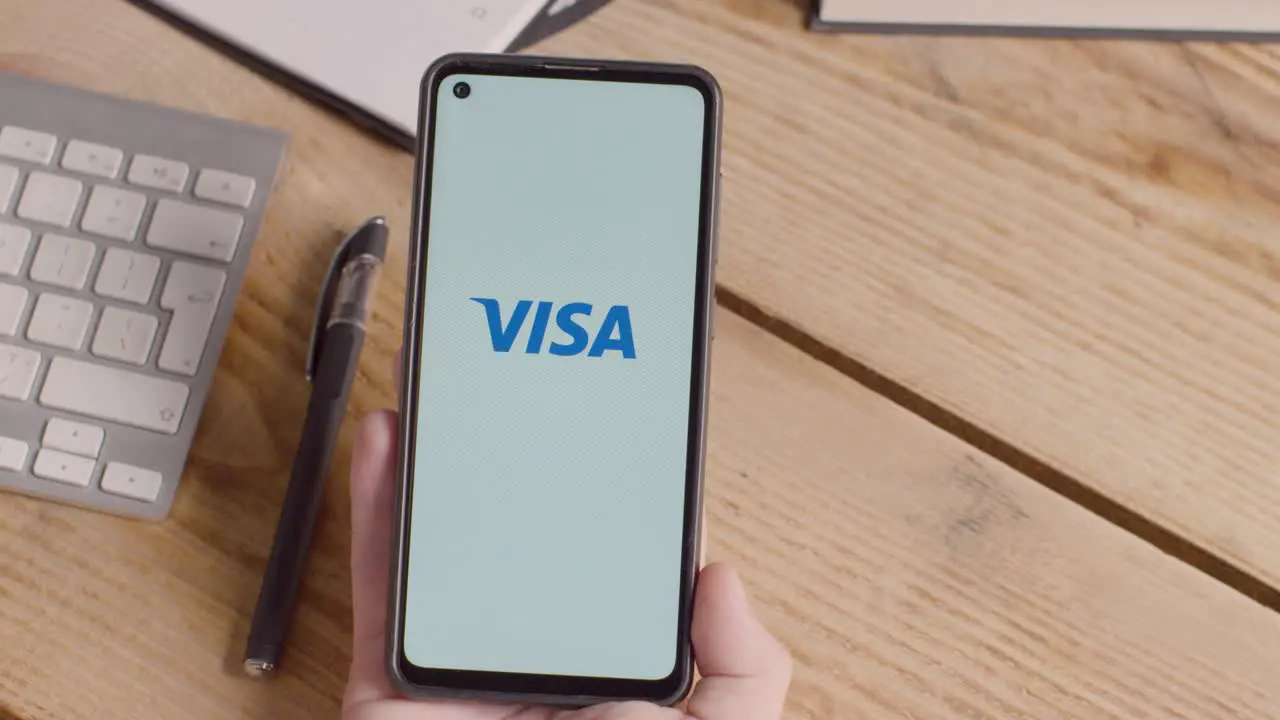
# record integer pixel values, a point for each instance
(916, 239)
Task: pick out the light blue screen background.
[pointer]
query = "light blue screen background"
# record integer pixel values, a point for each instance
(548, 492)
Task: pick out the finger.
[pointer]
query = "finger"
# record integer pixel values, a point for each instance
(623, 711)
(454, 710)
(745, 670)
(372, 480)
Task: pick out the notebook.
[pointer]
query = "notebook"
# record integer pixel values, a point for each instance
(366, 58)
(1243, 19)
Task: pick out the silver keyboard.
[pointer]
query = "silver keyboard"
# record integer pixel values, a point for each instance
(125, 234)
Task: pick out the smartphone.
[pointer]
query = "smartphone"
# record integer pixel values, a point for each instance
(557, 344)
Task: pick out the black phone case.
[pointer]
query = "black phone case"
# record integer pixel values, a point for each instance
(694, 539)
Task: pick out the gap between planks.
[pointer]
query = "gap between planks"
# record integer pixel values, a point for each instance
(1039, 471)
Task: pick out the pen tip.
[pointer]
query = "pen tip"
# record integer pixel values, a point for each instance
(256, 668)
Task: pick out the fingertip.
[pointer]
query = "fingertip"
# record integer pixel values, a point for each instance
(728, 637)
(720, 587)
(745, 670)
(372, 455)
(376, 432)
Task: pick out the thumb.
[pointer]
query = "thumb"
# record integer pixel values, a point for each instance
(745, 670)
(372, 488)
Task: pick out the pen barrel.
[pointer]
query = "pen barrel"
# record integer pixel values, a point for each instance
(304, 497)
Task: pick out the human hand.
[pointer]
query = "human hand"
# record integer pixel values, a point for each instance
(745, 670)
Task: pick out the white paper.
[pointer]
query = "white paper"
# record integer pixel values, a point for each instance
(371, 53)
(1242, 16)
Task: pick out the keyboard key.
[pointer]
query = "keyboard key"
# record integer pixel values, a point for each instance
(224, 187)
(192, 293)
(13, 454)
(107, 393)
(29, 145)
(63, 261)
(127, 276)
(8, 183)
(50, 199)
(193, 230)
(13, 300)
(132, 482)
(113, 213)
(63, 467)
(59, 321)
(125, 336)
(14, 241)
(159, 173)
(18, 368)
(92, 159)
(73, 437)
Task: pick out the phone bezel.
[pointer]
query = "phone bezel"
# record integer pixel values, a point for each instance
(546, 689)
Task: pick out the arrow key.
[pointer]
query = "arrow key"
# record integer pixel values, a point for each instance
(73, 437)
(63, 467)
(132, 482)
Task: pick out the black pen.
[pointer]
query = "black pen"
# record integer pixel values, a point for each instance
(336, 340)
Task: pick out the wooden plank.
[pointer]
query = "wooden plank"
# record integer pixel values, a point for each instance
(911, 575)
(1068, 245)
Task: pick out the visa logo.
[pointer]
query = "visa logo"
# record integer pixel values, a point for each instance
(614, 334)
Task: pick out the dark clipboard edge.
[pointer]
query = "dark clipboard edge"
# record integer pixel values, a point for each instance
(541, 27)
(817, 24)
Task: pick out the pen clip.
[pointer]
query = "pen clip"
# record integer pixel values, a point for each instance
(324, 308)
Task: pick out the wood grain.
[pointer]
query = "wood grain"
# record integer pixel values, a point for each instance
(1068, 245)
(912, 576)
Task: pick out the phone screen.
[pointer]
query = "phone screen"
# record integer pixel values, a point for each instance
(556, 385)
